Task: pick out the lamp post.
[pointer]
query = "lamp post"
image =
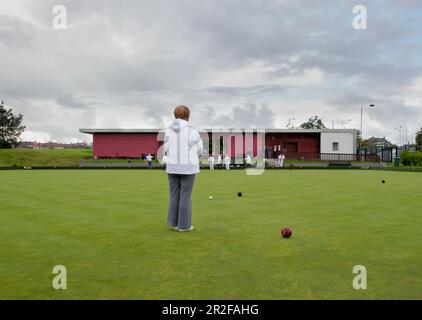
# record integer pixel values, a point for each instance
(361, 122)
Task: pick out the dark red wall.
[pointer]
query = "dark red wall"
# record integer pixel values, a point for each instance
(308, 144)
(133, 145)
(124, 145)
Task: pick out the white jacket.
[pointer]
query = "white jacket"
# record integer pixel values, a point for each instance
(183, 146)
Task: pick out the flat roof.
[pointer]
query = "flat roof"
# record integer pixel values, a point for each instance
(92, 131)
(119, 130)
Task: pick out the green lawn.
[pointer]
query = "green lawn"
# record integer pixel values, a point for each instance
(43, 157)
(108, 228)
(73, 157)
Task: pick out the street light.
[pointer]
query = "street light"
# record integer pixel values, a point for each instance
(361, 121)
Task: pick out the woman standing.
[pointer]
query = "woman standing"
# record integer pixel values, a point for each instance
(183, 146)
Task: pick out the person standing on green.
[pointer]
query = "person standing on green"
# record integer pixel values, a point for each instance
(183, 146)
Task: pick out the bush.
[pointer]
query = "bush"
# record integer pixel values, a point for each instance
(408, 158)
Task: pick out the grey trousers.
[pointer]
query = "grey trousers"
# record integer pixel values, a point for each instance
(180, 205)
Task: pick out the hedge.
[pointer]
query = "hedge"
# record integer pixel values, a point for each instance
(408, 158)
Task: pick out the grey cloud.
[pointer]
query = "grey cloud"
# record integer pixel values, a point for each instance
(247, 116)
(346, 100)
(143, 57)
(15, 33)
(69, 100)
(248, 91)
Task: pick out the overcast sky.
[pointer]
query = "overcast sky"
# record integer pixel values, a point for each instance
(240, 63)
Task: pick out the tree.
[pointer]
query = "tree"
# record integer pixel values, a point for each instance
(10, 127)
(419, 138)
(313, 123)
(290, 124)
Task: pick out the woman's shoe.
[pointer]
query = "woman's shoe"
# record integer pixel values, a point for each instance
(184, 230)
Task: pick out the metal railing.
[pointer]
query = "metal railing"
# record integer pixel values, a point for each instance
(332, 156)
(349, 157)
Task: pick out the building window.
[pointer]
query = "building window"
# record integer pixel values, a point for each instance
(335, 146)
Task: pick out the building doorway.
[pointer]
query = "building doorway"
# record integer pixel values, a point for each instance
(290, 149)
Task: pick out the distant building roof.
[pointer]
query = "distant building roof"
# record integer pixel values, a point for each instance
(92, 131)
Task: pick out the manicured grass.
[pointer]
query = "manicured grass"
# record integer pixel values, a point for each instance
(43, 157)
(108, 228)
(125, 161)
(73, 157)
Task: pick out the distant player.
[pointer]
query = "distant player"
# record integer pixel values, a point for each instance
(279, 150)
(267, 152)
(148, 158)
(248, 161)
(281, 158)
(227, 162)
(219, 161)
(211, 162)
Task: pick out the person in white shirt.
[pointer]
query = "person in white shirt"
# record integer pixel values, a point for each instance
(148, 158)
(227, 162)
(281, 158)
(248, 160)
(219, 161)
(183, 146)
(211, 162)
